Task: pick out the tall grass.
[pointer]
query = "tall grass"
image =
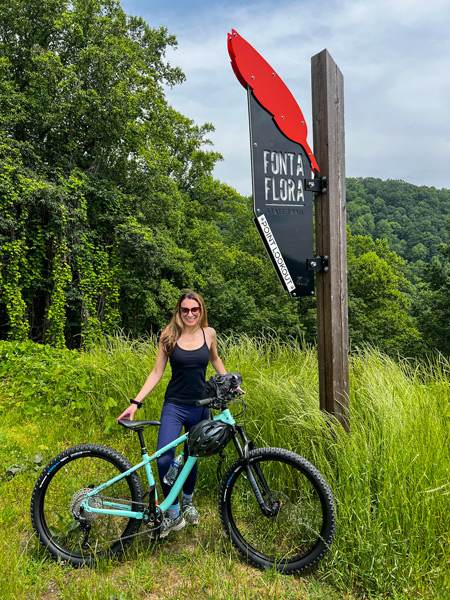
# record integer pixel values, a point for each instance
(390, 475)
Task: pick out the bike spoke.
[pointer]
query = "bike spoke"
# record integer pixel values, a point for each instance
(288, 532)
(64, 526)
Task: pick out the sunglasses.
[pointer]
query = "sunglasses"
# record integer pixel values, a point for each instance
(185, 311)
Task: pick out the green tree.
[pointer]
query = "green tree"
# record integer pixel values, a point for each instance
(404, 214)
(95, 167)
(108, 207)
(432, 302)
(236, 276)
(379, 302)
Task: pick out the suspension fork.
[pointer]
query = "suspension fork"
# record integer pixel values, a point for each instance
(259, 484)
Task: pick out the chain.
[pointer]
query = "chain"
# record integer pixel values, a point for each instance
(130, 502)
(147, 531)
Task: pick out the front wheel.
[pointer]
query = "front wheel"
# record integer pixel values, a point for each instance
(56, 511)
(296, 525)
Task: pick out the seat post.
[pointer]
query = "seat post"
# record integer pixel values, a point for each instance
(139, 431)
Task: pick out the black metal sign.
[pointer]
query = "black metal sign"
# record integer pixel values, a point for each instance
(282, 200)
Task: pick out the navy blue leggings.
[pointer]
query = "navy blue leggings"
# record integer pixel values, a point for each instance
(173, 418)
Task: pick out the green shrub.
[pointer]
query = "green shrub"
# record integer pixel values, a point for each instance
(40, 379)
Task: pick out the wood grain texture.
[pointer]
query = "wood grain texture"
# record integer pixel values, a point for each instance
(331, 236)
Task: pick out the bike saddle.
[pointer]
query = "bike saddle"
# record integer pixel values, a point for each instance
(135, 424)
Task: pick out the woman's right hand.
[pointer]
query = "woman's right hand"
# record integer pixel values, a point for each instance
(129, 412)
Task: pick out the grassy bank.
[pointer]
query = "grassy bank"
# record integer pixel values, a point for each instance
(390, 476)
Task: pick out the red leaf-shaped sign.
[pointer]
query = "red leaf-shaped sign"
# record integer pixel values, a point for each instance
(269, 89)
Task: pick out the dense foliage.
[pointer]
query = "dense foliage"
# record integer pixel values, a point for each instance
(432, 302)
(414, 223)
(379, 305)
(108, 206)
(412, 219)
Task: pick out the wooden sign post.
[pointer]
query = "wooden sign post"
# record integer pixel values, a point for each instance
(331, 236)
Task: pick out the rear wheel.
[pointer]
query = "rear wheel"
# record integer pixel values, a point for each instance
(297, 530)
(63, 529)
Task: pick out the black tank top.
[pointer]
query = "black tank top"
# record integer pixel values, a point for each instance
(188, 374)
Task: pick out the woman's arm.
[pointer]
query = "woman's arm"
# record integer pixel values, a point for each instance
(214, 357)
(152, 380)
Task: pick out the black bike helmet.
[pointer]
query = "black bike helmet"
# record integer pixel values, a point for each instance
(208, 437)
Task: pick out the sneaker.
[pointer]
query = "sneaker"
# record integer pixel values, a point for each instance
(169, 525)
(190, 513)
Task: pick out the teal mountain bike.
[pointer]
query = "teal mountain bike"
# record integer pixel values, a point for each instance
(276, 508)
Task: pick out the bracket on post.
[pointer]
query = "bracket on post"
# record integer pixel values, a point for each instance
(319, 263)
(319, 186)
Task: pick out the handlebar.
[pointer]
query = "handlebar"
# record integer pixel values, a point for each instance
(219, 402)
(204, 401)
(222, 390)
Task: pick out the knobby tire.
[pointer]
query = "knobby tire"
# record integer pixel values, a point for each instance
(301, 529)
(58, 493)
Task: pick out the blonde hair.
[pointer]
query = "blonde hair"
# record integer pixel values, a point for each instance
(175, 328)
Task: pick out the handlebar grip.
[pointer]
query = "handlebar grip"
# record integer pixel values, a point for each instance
(204, 401)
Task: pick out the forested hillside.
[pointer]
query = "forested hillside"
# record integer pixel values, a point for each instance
(108, 206)
(414, 223)
(412, 219)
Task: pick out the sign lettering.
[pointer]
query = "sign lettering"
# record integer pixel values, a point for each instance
(284, 190)
(276, 253)
(281, 202)
(283, 163)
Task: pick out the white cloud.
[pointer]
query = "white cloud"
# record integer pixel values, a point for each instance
(394, 55)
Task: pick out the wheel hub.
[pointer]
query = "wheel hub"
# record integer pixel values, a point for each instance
(76, 508)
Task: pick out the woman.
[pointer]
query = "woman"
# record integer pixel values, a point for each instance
(189, 344)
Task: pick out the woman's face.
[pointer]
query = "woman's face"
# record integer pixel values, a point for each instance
(190, 312)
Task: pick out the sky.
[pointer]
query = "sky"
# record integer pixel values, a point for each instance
(394, 56)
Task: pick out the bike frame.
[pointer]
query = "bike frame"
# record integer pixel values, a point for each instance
(120, 510)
